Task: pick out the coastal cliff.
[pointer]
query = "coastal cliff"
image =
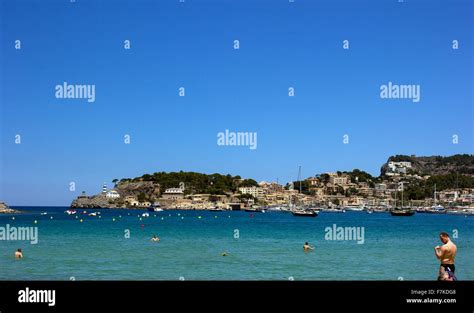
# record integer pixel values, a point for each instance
(146, 191)
(462, 164)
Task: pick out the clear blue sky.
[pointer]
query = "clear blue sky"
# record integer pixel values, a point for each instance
(191, 44)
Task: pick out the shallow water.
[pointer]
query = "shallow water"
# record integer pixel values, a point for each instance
(269, 246)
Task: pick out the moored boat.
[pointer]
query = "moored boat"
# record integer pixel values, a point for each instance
(304, 213)
(333, 210)
(155, 207)
(402, 212)
(255, 210)
(216, 209)
(354, 208)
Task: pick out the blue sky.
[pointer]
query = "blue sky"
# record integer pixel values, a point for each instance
(190, 44)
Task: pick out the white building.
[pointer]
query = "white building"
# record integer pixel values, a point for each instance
(399, 166)
(112, 194)
(254, 191)
(173, 194)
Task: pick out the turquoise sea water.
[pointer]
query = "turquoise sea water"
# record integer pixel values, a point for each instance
(269, 246)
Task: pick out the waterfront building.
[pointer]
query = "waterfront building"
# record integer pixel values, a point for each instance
(131, 201)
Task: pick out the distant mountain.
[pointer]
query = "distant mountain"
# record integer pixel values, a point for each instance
(462, 164)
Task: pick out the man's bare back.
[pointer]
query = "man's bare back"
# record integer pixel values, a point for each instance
(448, 253)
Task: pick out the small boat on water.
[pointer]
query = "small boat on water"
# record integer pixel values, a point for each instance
(304, 212)
(274, 208)
(44, 213)
(93, 214)
(155, 207)
(216, 209)
(354, 208)
(70, 212)
(468, 212)
(333, 210)
(402, 212)
(255, 209)
(146, 214)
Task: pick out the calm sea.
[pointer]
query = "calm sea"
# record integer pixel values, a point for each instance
(268, 246)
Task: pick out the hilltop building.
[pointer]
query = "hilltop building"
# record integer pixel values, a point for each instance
(173, 194)
(112, 194)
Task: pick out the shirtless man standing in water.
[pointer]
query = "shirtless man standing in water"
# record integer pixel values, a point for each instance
(445, 254)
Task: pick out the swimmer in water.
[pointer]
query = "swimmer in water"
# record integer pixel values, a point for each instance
(155, 238)
(18, 254)
(307, 247)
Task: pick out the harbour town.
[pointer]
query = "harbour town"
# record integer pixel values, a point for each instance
(406, 184)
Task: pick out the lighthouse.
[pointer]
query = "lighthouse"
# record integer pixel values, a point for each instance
(104, 188)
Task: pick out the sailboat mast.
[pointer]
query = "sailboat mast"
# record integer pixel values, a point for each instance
(299, 177)
(402, 195)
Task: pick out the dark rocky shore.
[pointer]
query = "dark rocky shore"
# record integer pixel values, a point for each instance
(5, 209)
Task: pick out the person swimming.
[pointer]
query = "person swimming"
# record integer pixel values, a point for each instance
(155, 238)
(446, 254)
(307, 247)
(18, 254)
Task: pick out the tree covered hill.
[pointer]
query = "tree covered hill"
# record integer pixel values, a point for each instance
(193, 182)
